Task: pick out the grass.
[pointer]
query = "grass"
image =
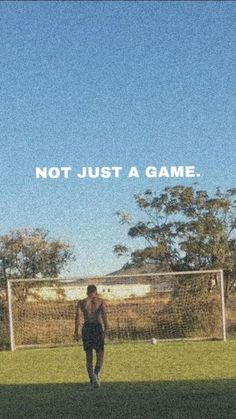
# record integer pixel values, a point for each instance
(182, 380)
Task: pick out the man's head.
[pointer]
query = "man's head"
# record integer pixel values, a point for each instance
(91, 290)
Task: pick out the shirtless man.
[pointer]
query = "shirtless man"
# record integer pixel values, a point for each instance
(94, 330)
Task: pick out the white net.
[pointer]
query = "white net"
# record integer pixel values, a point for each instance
(139, 307)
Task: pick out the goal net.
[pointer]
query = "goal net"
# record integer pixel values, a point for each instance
(174, 305)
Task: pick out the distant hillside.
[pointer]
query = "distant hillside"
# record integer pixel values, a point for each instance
(112, 278)
(132, 270)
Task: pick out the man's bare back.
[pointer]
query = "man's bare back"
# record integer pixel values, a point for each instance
(93, 309)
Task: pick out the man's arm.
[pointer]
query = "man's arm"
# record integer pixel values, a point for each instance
(77, 321)
(104, 317)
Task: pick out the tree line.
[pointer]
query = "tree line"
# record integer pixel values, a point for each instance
(182, 228)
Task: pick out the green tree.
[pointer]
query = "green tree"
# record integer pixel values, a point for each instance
(26, 253)
(183, 228)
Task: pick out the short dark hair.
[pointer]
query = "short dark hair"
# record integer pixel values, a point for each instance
(91, 289)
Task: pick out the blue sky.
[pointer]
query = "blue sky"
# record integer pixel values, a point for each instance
(110, 84)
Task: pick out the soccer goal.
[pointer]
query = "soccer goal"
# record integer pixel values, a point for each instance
(164, 306)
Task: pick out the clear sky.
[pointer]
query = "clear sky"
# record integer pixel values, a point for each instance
(110, 84)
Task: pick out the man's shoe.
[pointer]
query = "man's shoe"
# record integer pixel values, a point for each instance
(96, 382)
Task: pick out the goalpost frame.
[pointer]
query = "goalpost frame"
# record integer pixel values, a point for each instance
(11, 330)
(216, 271)
(222, 304)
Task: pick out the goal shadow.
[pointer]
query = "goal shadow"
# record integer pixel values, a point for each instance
(160, 399)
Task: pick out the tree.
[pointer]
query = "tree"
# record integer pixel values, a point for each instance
(185, 229)
(29, 253)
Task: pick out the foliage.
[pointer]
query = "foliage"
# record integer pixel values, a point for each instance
(183, 228)
(29, 254)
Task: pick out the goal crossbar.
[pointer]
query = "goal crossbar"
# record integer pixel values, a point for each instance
(77, 278)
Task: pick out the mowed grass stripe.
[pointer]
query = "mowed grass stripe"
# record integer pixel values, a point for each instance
(139, 380)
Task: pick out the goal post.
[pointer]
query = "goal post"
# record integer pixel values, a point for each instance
(222, 304)
(165, 306)
(10, 316)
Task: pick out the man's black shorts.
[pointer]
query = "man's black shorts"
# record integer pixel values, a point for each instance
(93, 336)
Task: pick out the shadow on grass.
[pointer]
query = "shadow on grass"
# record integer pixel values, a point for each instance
(157, 400)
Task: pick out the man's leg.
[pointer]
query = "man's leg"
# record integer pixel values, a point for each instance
(89, 364)
(99, 362)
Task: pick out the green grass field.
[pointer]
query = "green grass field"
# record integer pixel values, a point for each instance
(182, 380)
